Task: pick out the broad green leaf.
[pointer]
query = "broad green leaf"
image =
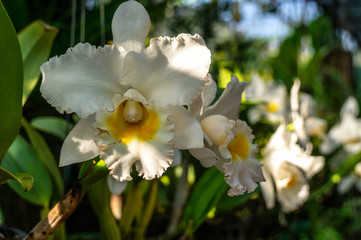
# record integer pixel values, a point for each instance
(45, 155)
(224, 75)
(227, 203)
(22, 158)
(52, 125)
(99, 196)
(205, 196)
(11, 82)
(25, 180)
(36, 41)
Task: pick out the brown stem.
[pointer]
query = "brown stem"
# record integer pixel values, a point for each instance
(57, 215)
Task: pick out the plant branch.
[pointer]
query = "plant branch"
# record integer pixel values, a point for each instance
(63, 209)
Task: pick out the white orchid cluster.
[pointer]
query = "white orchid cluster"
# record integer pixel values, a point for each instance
(287, 159)
(138, 104)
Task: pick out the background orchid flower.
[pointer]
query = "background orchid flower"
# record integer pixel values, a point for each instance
(305, 124)
(347, 132)
(289, 167)
(128, 96)
(228, 140)
(271, 94)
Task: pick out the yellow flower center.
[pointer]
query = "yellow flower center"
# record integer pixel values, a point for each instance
(353, 140)
(132, 120)
(272, 107)
(288, 182)
(239, 147)
(291, 181)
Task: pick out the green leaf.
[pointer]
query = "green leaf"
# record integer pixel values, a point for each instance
(25, 180)
(45, 156)
(36, 41)
(52, 125)
(11, 82)
(205, 196)
(346, 168)
(227, 203)
(22, 158)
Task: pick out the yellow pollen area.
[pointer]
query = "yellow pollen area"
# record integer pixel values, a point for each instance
(239, 147)
(272, 107)
(291, 181)
(288, 182)
(125, 129)
(353, 140)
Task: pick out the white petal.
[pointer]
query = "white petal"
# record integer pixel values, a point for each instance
(350, 107)
(254, 114)
(115, 186)
(188, 131)
(154, 159)
(268, 190)
(83, 80)
(242, 176)
(294, 95)
(206, 156)
(290, 197)
(229, 102)
(130, 26)
(205, 98)
(177, 158)
(119, 161)
(328, 145)
(347, 132)
(309, 164)
(346, 183)
(79, 145)
(209, 91)
(170, 71)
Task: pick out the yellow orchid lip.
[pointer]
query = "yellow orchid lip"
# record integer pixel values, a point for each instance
(239, 147)
(132, 120)
(272, 107)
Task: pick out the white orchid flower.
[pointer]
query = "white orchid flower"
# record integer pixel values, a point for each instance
(129, 97)
(271, 94)
(228, 140)
(289, 167)
(305, 124)
(347, 132)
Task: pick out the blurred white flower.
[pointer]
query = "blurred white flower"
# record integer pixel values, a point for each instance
(128, 96)
(305, 124)
(289, 167)
(273, 97)
(228, 140)
(347, 132)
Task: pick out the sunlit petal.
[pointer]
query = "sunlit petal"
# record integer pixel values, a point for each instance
(79, 145)
(188, 131)
(170, 70)
(83, 80)
(130, 26)
(229, 102)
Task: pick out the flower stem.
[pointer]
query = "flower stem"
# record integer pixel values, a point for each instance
(148, 212)
(63, 209)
